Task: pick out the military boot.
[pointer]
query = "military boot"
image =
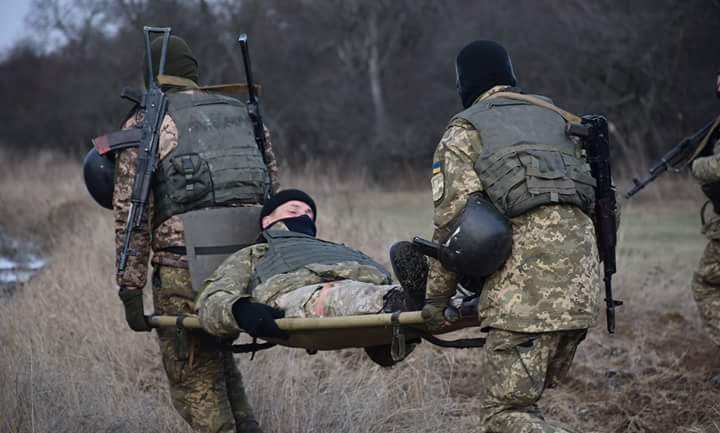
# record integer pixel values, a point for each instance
(411, 270)
(248, 426)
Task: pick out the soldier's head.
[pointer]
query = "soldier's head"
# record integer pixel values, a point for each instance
(294, 208)
(480, 66)
(179, 62)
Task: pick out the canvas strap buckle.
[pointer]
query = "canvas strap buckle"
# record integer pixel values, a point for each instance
(398, 349)
(182, 351)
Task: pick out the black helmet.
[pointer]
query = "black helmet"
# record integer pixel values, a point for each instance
(480, 241)
(99, 174)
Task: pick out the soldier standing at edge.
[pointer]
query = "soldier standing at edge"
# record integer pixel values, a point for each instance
(206, 388)
(706, 280)
(538, 306)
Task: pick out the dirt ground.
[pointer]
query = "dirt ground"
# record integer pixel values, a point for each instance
(68, 363)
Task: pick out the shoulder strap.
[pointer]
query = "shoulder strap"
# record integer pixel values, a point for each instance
(534, 100)
(705, 140)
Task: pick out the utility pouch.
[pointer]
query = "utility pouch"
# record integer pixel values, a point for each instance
(712, 192)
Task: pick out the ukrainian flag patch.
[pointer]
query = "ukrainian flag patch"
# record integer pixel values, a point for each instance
(436, 168)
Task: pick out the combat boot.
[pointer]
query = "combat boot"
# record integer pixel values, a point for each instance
(411, 270)
(248, 426)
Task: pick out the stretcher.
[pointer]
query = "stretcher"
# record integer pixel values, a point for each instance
(394, 330)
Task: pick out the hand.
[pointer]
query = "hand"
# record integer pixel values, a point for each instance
(434, 314)
(258, 320)
(132, 300)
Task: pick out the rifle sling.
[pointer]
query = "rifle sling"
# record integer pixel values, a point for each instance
(460, 343)
(118, 140)
(568, 116)
(705, 140)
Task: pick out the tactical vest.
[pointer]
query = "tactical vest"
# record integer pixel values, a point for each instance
(527, 160)
(289, 251)
(216, 162)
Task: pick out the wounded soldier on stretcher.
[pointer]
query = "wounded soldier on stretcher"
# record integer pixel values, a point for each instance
(291, 273)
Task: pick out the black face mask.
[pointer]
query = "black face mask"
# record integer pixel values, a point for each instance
(302, 224)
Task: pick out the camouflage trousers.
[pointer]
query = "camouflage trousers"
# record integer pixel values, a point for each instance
(206, 388)
(518, 368)
(706, 289)
(333, 299)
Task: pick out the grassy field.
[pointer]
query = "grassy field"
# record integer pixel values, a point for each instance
(69, 364)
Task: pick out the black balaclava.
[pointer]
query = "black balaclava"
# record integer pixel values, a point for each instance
(301, 224)
(180, 61)
(480, 66)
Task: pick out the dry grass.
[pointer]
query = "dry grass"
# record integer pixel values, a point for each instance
(69, 364)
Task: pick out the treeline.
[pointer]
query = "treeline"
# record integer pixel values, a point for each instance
(369, 82)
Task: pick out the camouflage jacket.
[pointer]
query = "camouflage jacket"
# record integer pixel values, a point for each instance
(233, 280)
(168, 234)
(551, 281)
(707, 169)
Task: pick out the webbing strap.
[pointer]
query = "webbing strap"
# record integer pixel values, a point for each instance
(173, 80)
(568, 116)
(705, 140)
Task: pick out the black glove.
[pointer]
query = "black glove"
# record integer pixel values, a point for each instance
(132, 300)
(258, 320)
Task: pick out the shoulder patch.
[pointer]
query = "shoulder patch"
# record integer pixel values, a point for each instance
(436, 168)
(438, 186)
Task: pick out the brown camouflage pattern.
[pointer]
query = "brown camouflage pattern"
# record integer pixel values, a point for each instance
(356, 289)
(706, 282)
(707, 169)
(206, 389)
(334, 299)
(520, 367)
(170, 233)
(551, 281)
(706, 279)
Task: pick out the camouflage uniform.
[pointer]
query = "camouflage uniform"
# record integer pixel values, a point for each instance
(316, 290)
(538, 306)
(207, 389)
(706, 280)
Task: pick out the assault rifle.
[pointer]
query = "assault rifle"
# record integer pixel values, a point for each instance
(155, 105)
(682, 154)
(253, 105)
(594, 133)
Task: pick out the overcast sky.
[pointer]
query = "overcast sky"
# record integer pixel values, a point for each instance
(12, 21)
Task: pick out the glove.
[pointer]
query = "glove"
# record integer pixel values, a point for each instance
(433, 313)
(258, 320)
(132, 300)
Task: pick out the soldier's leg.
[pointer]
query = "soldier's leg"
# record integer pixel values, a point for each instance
(197, 384)
(241, 409)
(706, 289)
(516, 373)
(337, 298)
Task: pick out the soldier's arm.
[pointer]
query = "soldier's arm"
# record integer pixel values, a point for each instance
(707, 169)
(272, 163)
(135, 274)
(229, 283)
(453, 180)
